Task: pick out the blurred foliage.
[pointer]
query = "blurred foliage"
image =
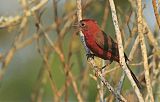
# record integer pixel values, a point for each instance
(25, 70)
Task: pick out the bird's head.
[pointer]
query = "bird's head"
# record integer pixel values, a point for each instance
(88, 25)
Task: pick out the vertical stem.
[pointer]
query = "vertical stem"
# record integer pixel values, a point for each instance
(121, 52)
(79, 15)
(143, 49)
(119, 88)
(56, 16)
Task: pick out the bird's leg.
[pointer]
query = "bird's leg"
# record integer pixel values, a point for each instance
(108, 62)
(109, 55)
(90, 55)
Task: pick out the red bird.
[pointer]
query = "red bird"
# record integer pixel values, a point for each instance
(101, 44)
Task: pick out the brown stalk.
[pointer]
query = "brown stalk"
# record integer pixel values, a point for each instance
(143, 49)
(121, 52)
(156, 12)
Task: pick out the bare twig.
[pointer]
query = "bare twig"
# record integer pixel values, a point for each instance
(16, 20)
(10, 21)
(65, 65)
(22, 32)
(49, 73)
(105, 82)
(119, 88)
(127, 19)
(134, 48)
(121, 52)
(143, 49)
(79, 14)
(45, 56)
(150, 36)
(156, 12)
(56, 15)
(105, 16)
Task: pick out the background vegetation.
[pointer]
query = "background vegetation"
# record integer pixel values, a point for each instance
(42, 58)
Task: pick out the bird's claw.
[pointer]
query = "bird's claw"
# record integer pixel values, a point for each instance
(90, 56)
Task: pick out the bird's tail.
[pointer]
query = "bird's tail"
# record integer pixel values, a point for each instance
(135, 78)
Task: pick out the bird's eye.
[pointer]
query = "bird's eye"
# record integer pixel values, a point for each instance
(82, 24)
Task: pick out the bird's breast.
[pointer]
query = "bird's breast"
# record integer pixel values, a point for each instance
(91, 44)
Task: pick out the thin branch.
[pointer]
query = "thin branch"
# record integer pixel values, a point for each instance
(45, 55)
(49, 73)
(62, 59)
(56, 15)
(156, 12)
(150, 36)
(105, 16)
(127, 19)
(129, 39)
(144, 50)
(79, 14)
(17, 39)
(119, 88)
(134, 48)
(12, 21)
(121, 52)
(105, 82)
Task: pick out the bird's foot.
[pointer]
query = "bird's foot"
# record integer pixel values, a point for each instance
(90, 56)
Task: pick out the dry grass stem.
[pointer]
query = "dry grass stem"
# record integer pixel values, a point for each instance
(144, 50)
(156, 12)
(121, 52)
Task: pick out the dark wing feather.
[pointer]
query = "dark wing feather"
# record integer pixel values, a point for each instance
(107, 44)
(104, 41)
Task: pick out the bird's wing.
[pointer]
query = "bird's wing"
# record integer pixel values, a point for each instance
(104, 41)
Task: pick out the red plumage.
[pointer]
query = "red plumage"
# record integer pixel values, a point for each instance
(101, 44)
